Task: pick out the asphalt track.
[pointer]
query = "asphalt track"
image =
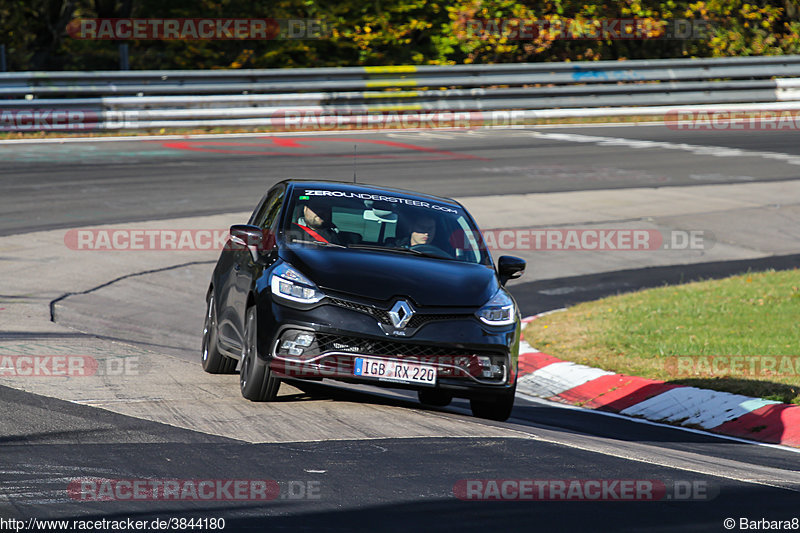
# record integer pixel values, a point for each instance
(51, 185)
(376, 483)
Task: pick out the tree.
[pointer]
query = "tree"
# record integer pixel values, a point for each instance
(394, 32)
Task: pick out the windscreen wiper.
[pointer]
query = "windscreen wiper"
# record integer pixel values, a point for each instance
(398, 249)
(318, 243)
(395, 249)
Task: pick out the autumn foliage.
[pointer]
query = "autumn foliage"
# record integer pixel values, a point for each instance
(395, 32)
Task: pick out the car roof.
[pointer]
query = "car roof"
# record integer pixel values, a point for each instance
(365, 187)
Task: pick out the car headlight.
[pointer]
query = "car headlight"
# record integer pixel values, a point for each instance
(499, 311)
(286, 282)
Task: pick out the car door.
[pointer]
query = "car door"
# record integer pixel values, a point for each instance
(228, 270)
(245, 265)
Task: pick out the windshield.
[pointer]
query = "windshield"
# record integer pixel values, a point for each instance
(383, 222)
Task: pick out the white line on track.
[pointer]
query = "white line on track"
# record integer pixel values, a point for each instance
(696, 149)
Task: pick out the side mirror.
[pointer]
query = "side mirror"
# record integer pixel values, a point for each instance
(251, 237)
(510, 267)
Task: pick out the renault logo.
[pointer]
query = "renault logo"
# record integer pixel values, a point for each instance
(400, 314)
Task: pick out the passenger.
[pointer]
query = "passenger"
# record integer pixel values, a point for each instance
(423, 230)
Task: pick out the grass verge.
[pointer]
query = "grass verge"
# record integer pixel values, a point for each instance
(740, 334)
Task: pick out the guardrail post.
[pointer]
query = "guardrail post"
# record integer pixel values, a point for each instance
(123, 57)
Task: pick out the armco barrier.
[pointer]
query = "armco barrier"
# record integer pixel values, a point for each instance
(265, 98)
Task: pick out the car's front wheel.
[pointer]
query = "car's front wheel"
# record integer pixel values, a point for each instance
(213, 361)
(497, 408)
(256, 380)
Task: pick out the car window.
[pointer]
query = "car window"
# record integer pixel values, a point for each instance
(267, 214)
(389, 221)
(371, 230)
(261, 210)
(469, 241)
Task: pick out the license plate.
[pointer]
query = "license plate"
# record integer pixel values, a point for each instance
(396, 371)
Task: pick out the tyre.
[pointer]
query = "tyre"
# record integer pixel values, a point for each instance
(256, 380)
(213, 361)
(434, 397)
(498, 408)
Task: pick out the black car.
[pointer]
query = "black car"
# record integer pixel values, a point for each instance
(364, 284)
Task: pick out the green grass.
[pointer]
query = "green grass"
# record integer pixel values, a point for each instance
(645, 333)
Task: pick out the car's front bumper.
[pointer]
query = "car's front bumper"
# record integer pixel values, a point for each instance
(456, 346)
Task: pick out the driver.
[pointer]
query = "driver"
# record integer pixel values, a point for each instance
(315, 222)
(423, 231)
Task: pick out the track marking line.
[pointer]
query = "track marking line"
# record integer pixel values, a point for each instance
(697, 149)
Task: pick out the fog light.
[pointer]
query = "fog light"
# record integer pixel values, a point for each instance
(486, 366)
(291, 346)
(296, 342)
(304, 339)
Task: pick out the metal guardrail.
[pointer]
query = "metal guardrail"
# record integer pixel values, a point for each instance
(356, 95)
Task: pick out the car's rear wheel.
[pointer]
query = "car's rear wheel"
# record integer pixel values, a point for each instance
(213, 361)
(434, 397)
(497, 408)
(256, 380)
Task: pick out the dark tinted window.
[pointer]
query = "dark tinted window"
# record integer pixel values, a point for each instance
(389, 221)
(268, 212)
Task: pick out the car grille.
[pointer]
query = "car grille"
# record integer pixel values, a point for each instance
(419, 320)
(382, 315)
(335, 353)
(344, 343)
